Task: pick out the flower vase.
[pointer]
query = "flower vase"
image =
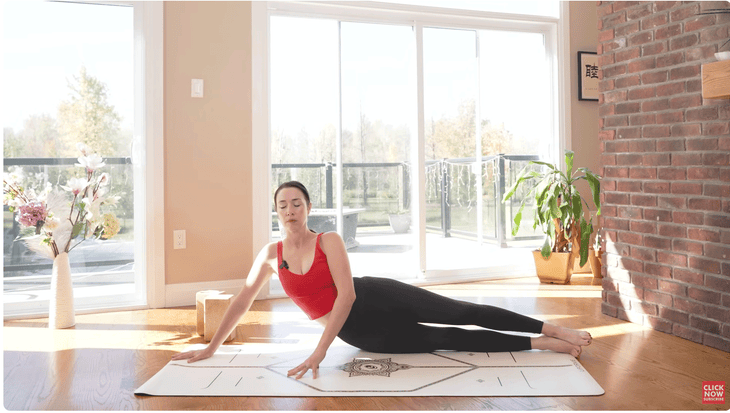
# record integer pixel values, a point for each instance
(61, 307)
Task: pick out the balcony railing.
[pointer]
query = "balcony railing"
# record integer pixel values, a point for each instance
(378, 188)
(383, 188)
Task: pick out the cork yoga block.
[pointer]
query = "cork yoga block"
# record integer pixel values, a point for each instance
(211, 306)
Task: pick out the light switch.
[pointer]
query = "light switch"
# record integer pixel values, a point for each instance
(197, 88)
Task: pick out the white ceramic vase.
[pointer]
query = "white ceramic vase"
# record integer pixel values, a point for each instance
(61, 307)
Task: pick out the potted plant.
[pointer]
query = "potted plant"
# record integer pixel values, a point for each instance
(400, 221)
(559, 213)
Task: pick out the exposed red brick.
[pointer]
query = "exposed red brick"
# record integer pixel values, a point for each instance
(627, 81)
(704, 295)
(703, 234)
(686, 129)
(671, 59)
(654, 20)
(656, 187)
(672, 230)
(643, 227)
(672, 202)
(702, 114)
(684, 102)
(670, 117)
(681, 245)
(654, 77)
(677, 260)
(705, 265)
(672, 174)
(688, 333)
(627, 29)
(699, 23)
(721, 252)
(684, 72)
(643, 200)
(688, 276)
(656, 131)
(716, 158)
(669, 89)
(642, 119)
(684, 12)
(674, 315)
(667, 31)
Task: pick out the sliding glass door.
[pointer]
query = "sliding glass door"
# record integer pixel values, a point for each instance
(348, 99)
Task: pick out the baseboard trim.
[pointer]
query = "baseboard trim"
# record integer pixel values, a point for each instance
(181, 295)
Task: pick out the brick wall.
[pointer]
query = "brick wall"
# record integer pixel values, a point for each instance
(665, 156)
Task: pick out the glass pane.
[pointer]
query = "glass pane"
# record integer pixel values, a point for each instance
(378, 102)
(450, 94)
(548, 8)
(304, 112)
(512, 85)
(304, 115)
(71, 67)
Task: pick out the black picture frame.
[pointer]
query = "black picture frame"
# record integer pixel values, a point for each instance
(588, 76)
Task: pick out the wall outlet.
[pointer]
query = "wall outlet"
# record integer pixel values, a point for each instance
(178, 237)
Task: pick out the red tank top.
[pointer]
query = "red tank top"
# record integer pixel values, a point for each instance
(315, 291)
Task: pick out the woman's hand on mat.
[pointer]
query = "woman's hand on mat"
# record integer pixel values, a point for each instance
(312, 363)
(194, 355)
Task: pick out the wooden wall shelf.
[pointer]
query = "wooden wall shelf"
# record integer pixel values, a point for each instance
(716, 80)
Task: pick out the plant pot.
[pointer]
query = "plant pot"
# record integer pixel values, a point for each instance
(555, 270)
(596, 259)
(586, 269)
(61, 306)
(400, 223)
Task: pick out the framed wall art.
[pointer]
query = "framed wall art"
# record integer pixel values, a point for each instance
(588, 76)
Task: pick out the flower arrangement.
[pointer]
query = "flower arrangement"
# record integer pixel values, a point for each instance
(55, 220)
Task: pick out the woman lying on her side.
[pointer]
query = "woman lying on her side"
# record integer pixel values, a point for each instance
(374, 314)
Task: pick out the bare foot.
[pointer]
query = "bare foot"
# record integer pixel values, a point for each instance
(576, 337)
(556, 344)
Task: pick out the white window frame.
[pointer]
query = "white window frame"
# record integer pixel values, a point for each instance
(147, 163)
(556, 31)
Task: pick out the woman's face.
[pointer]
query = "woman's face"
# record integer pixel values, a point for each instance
(292, 208)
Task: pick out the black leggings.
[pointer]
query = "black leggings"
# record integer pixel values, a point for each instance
(386, 317)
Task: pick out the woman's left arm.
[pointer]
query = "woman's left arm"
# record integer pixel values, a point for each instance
(339, 264)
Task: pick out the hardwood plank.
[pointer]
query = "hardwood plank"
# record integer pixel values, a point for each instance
(99, 363)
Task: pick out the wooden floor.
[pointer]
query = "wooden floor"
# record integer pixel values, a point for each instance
(98, 364)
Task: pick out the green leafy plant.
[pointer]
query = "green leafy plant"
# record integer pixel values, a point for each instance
(559, 206)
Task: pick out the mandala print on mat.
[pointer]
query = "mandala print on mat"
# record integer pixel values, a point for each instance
(370, 367)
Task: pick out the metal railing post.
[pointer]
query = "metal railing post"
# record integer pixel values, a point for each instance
(329, 185)
(445, 204)
(501, 208)
(406, 187)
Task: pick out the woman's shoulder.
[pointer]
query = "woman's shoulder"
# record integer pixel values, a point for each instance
(331, 241)
(269, 251)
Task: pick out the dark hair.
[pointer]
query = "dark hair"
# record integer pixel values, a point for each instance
(293, 184)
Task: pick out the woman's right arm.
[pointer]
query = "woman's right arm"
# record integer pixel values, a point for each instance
(261, 271)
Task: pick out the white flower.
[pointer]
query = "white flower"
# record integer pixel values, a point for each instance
(91, 162)
(76, 185)
(52, 223)
(112, 200)
(104, 179)
(83, 148)
(92, 209)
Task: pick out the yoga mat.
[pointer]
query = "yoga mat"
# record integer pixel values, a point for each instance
(260, 370)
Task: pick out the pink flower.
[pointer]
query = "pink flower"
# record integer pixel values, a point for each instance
(32, 213)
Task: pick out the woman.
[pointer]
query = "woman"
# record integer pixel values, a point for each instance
(374, 314)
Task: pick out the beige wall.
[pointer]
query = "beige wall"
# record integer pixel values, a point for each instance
(208, 140)
(584, 114)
